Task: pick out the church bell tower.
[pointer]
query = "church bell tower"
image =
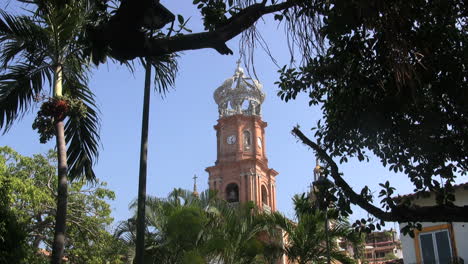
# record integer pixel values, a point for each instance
(241, 171)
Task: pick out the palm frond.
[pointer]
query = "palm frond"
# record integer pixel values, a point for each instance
(81, 133)
(126, 230)
(24, 43)
(165, 72)
(22, 39)
(18, 88)
(71, 21)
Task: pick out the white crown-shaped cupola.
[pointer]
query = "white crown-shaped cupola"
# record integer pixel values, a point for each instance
(239, 94)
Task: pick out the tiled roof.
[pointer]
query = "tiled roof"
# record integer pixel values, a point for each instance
(425, 194)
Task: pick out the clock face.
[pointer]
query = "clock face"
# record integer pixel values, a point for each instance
(259, 142)
(231, 139)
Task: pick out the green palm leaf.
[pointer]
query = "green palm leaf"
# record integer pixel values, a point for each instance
(81, 132)
(82, 136)
(23, 42)
(306, 239)
(18, 88)
(21, 37)
(165, 72)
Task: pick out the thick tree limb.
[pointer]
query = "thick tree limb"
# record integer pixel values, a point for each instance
(127, 42)
(217, 39)
(400, 213)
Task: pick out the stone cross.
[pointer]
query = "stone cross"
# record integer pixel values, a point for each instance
(238, 62)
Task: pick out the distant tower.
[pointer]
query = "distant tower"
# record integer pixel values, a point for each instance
(241, 170)
(317, 176)
(195, 192)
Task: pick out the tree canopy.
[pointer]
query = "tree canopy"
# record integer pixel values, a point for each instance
(27, 188)
(184, 228)
(392, 81)
(307, 238)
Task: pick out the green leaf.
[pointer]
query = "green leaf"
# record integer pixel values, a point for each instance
(278, 17)
(181, 19)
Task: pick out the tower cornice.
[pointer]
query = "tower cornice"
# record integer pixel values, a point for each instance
(252, 163)
(238, 118)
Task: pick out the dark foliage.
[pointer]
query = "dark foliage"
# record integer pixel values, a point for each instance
(392, 80)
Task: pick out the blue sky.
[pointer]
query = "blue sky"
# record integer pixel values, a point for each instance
(182, 141)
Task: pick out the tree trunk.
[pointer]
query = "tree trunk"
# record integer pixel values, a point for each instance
(140, 235)
(326, 236)
(61, 214)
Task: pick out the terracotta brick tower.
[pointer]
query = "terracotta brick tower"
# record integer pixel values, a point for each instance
(241, 170)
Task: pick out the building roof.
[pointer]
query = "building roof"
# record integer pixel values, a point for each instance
(425, 194)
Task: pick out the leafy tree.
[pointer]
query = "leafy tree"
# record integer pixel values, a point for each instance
(306, 240)
(12, 234)
(47, 48)
(244, 235)
(183, 228)
(391, 80)
(166, 240)
(27, 184)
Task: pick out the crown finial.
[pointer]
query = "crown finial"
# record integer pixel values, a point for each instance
(239, 94)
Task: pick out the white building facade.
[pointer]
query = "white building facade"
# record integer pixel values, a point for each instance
(439, 242)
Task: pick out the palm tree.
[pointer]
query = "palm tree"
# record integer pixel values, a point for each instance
(306, 240)
(164, 243)
(184, 228)
(47, 48)
(165, 72)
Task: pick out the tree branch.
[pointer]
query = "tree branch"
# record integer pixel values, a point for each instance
(127, 41)
(217, 38)
(401, 212)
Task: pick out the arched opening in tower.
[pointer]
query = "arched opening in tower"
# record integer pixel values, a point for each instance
(232, 193)
(264, 195)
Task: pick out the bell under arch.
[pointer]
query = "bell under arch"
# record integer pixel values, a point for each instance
(232, 193)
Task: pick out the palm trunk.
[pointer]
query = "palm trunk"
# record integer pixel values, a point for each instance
(326, 236)
(140, 235)
(61, 214)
